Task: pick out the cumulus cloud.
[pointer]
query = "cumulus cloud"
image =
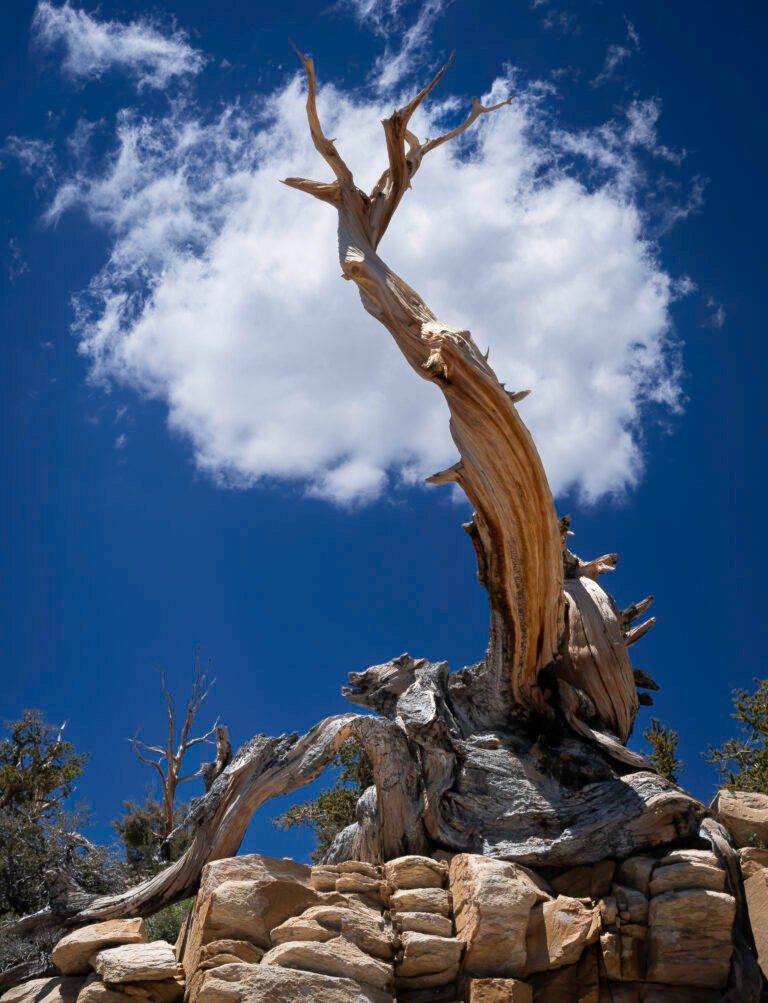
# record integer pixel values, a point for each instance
(222, 294)
(91, 47)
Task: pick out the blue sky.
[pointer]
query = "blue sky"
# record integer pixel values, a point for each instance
(206, 441)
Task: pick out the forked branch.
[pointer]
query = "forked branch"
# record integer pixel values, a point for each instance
(170, 759)
(515, 530)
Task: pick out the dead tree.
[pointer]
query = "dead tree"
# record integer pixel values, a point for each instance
(521, 756)
(169, 764)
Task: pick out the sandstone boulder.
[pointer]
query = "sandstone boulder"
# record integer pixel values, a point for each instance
(336, 957)
(690, 938)
(262, 983)
(558, 931)
(579, 983)
(355, 867)
(756, 893)
(687, 874)
(752, 860)
(323, 879)
(421, 900)
(588, 881)
(500, 991)
(243, 950)
(744, 814)
(423, 922)
(415, 872)
(363, 927)
(623, 952)
(97, 991)
(368, 933)
(136, 962)
(635, 872)
(693, 856)
(302, 928)
(73, 951)
(164, 991)
(493, 900)
(362, 884)
(244, 898)
(424, 954)
(46, 990)
(632, 905)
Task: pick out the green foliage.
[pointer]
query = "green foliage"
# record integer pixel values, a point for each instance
(167, 924)
(334, 808)
(663, 755)
(38, 770)
(742, 762)
(140, 829)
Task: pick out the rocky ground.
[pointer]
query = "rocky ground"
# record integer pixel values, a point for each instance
(655, 927)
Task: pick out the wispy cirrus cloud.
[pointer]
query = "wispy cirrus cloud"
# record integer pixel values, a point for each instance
(406, 28)
(91, 47)
(618, 54)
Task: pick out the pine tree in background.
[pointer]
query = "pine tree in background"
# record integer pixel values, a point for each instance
(663, 755)
(743, 762)
(141, 829)
(334, 808)
(39, 833)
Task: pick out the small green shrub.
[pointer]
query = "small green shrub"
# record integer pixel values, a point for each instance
(167, 924)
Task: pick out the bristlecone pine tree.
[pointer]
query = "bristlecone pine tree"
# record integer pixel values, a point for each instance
(743, 762)
(663, 755)
(522, 756)
(39, 834)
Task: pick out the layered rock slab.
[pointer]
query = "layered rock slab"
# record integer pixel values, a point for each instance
(493, 901)
(72, 953)
(46, 990)
(744, 814)
(690, 938)
(151, 962)
(273, 984)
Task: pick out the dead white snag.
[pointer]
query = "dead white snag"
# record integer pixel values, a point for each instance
(514, 529)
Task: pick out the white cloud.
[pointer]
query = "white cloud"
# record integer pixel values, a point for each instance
(35, 157)
(618, 54)
(222, 294)
(91, 47)
(405, 42)
(717, 314)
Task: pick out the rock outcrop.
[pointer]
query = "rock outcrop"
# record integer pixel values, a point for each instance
(744, 814)
(652, 927)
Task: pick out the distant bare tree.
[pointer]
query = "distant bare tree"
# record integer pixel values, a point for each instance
(170, 762)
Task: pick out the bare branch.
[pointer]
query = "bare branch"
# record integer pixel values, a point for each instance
(477, 110)
(403, 164)
(323, 190)
(171, 718)
(324, 146)
(192, 776)
(207, 737)
(148, 762)
(405, 113)
(149, 748)
(633, 635)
